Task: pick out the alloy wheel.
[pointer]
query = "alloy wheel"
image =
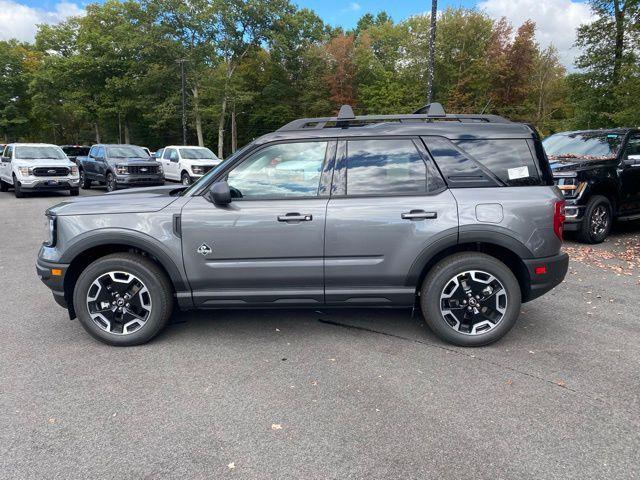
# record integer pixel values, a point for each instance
(599, 220)
(119, 303)
(473, 302)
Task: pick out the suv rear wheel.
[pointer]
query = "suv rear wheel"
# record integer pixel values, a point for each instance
(123, 299)
(470, 299)
(597, 220)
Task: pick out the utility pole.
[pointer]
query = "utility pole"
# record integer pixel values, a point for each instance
(432, 50)
(184, 101)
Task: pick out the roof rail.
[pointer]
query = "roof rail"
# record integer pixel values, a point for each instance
(428, 113)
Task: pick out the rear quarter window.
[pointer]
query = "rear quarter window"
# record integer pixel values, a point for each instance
(510, 160)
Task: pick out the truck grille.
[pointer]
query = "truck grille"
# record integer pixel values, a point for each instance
(138, 170)
(50, 171)
(206, 170)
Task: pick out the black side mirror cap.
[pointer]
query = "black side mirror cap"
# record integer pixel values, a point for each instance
(220, 194)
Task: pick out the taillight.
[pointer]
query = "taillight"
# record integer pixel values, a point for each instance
(558, 218)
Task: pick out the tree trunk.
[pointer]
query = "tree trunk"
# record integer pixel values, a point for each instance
(196, 107)
(97, 130)
(223, 113)
(619, 46)
(127, 136)
(234, 131)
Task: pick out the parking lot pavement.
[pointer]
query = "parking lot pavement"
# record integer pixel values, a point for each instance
(305, 395)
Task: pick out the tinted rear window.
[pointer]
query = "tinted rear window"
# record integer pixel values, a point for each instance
(508, 159)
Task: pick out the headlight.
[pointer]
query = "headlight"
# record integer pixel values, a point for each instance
(160, 167)
(570, 186)
(51, 225)
(24, 171)
(122, 170)
(197, 170)
(74, 171)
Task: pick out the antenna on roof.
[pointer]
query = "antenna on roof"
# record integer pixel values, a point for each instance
(346, 113)
(432, 109)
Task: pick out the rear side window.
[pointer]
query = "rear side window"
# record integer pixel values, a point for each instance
(388, 167)
(508, 159)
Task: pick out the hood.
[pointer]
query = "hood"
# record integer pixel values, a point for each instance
(43, 163)
(144, 161)
(560, 164)
(202, 162)
(135, 200)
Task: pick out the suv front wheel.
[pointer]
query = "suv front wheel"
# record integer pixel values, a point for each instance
(470, 299)
(123, 299)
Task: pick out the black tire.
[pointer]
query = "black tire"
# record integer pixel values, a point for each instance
(185, 179)
(156, 282)
(4, 186)
(111, 183)
(85, 183)
(17, 188)
(595, 228)
(74, 192)
(441, 275)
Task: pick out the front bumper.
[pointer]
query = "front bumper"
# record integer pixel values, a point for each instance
(573, 217)
(139, 180)
(49, 183)
(554, 270)
(52, 275)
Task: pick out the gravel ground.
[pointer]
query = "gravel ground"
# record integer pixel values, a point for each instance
(341, 394)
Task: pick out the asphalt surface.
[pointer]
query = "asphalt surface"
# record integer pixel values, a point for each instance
(302, 394)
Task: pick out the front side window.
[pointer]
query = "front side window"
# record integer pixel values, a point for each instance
(633, 148)
(24, 152)
(379, 167)
(8, 151)
(159, 153)
(173, 155)
(285, 170)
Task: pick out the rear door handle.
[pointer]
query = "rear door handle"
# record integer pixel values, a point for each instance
(295, 217)
(419, 215)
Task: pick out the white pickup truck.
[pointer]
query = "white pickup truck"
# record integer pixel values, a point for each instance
(29, 167)
(186, 164)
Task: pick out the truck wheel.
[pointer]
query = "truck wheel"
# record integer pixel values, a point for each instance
(4, 186)
(74, 192)
(111, 183)
(597, 220)
(123, 299)
(17, 188)
(85, 183)
(185, 179)
(470, 299)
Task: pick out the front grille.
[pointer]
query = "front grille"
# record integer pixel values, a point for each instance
(206, 170)
(50, 172)
(139, 170)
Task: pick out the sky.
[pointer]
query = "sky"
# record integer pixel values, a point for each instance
(556, 20)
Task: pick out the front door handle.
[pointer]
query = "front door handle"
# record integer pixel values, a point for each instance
(295, 217)
(419, 215)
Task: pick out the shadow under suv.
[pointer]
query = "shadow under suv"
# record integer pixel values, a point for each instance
(454, 214)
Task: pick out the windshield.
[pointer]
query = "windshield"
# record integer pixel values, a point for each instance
(589, 146)
(39, 153)
(126, 151)
(197, 154)
(213, 171)
(76, 151)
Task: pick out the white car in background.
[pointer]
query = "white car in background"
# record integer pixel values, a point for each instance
(30, 167)
(186, 164)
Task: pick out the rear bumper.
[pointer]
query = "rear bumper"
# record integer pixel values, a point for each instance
(45, 271)
(555, 269)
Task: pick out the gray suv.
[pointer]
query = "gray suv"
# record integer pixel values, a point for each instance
(454, 214)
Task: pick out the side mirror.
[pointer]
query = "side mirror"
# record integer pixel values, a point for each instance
(219, 193)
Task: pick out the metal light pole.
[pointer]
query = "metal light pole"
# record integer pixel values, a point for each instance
(432, 50)
(184, 101)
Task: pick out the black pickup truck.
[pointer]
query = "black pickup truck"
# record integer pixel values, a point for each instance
(119, 166)
(598, 172)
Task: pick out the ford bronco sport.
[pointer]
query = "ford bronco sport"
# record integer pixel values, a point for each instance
(454, 214)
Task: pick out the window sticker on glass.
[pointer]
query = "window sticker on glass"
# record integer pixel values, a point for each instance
(518, 172)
